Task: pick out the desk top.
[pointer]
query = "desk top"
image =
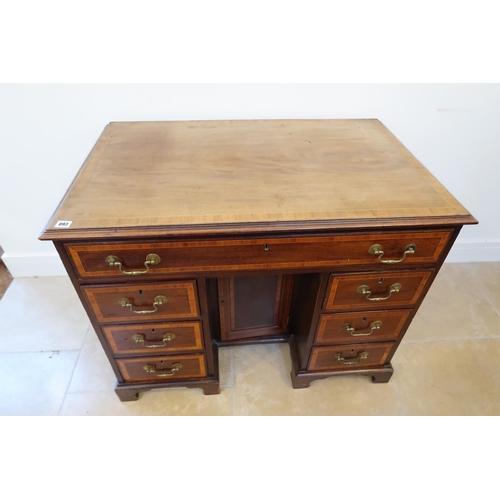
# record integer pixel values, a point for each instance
(161, 178)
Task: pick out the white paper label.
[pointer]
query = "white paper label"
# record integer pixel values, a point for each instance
(63, 223)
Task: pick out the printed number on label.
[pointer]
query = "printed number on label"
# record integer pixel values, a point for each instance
(63, 223)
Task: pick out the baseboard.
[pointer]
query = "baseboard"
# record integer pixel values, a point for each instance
(472, 251)
(29, 266)
(34, 265)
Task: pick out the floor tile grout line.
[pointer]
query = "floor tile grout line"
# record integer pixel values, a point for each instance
(73, 372)
(40, 352)
(489, 301)
(98, 391)
(449, 340)
(399, 397)
(481, 290)
(232, 381)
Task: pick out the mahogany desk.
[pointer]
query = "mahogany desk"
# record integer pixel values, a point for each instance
(181, 237)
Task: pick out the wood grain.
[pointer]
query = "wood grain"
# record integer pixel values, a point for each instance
(342, 291)
(254, 306)
(323, 358)
(193, 366)
(181, 302)
(250, 254)
(331, 331)
(188, 337)
(160, 174)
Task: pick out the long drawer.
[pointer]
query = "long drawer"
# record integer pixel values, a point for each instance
(143, 259)
(143, 302)
(154, 338)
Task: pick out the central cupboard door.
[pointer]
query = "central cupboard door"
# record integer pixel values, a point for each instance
(254, 306)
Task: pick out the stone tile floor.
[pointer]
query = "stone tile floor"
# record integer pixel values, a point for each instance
(448, 364)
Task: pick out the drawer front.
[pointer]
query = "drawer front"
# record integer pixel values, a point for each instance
(154, 338)
(143, 302)
(375, 290)
(163, 368)
(119, 260)
(360, 326)
(348, 357)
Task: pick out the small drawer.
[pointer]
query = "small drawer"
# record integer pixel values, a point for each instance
(154, 338)
(163, 368)
(349, 357)
(144, 260)
(143, 302)
(360, 326)
(375, 290)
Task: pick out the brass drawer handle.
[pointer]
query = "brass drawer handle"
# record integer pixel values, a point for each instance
(376, 325)
(159, 300)
(377, 250)
(141, 339)
(351, 361)
(163, 373)
(114, 261)
(365, 290)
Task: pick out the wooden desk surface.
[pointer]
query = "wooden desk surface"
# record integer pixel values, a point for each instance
(159, 178)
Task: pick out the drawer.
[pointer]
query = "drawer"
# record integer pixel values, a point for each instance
(154, 338)
(163, 368)
(375, 290)
(348, 357)
(136, 260)
(143, 302)
(360, 326)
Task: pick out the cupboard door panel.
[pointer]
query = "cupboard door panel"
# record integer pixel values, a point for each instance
(254, 306)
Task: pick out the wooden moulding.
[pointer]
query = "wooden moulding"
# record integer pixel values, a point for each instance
(197, 175)
(131, 392)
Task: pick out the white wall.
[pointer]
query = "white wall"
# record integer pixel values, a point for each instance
(47, 130)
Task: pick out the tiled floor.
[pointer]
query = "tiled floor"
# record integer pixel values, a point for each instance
(449, 363)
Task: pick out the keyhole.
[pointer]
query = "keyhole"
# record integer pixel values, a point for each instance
(161, 362)
(381, 280)
(140, 292)
(364, 319)
(266, 247)
(152, 330)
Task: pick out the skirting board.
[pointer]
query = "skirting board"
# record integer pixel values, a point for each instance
(34, 265)
(471, 251)
(28, 266)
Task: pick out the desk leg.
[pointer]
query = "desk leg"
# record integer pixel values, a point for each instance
(127, 394)
(210, 389)
(383, 377)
